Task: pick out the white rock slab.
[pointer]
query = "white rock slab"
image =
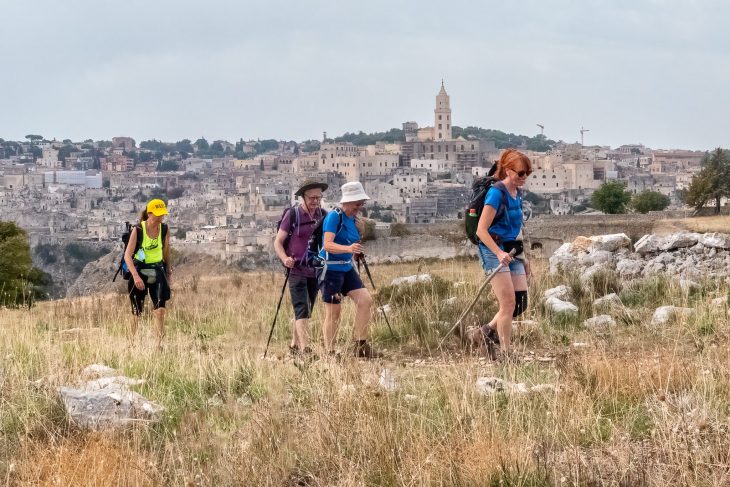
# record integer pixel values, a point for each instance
(399, 281)
(716, 240)
(559, 306)
(608, 301)
(560, 292)
(663, 314)
(600, 321)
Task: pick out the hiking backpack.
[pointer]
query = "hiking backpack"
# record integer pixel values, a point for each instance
(296, 224)
(125, 241)
(476, 203)
(314, 246)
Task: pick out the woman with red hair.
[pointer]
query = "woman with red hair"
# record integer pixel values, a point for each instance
(499, 227)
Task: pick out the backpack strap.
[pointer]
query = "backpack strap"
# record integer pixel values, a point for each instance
(502, 210)
(340, 224)
(140, 237)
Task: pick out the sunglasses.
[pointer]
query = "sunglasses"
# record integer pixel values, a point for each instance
(522, 174)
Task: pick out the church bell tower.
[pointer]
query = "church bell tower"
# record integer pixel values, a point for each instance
(442, 116)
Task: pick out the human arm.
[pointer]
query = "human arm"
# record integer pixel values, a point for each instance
(485, 221)
(279, 248)
(129, 258)
(335, 248)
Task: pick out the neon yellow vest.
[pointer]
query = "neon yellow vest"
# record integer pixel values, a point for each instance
(151, 247)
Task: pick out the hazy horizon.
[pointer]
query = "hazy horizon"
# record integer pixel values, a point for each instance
(650, 71)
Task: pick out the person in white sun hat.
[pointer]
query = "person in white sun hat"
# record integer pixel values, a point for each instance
(338, 278)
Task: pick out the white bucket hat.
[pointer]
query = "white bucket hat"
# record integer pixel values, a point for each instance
(353, 192)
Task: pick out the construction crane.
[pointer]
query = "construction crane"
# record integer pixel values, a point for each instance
(582, 131)
(542, 128)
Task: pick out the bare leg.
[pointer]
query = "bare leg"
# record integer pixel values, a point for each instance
(159, 315)
(301, 333)
(363, 301)
(504, 290)
(329, 327)
(294, 340)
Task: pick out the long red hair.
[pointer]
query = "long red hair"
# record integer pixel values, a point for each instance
(510, 159)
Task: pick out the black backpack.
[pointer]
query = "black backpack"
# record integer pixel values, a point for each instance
(125, 241)
(476, 203)
(315, 241)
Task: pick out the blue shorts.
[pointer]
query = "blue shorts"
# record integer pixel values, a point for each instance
(490, 262)
(337, 284)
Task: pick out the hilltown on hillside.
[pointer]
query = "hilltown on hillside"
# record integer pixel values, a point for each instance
(228, 206)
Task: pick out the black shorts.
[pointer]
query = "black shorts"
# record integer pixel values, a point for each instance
(303, 291)
(337, 285)
(159, 292)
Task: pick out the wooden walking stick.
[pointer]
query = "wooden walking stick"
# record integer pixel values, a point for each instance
(458, 323)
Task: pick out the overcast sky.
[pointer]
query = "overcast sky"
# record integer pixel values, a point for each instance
(655, 72)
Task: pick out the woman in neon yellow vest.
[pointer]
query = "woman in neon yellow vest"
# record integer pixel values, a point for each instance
(148, 260)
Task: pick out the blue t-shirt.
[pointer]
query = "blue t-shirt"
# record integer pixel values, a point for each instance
(508, 226)
(347, 235)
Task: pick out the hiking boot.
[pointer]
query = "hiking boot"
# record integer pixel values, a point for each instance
(491, 333)
(364, 350)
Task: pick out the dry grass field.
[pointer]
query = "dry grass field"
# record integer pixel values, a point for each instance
(702, 224)
(636, 404)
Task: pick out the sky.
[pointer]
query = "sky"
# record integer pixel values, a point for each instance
(655, 72)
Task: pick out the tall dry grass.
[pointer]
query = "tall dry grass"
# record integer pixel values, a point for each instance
(637, 405)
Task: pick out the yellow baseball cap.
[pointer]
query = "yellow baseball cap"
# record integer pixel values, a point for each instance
(157, 207)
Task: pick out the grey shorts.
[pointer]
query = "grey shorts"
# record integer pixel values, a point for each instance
(303, 291)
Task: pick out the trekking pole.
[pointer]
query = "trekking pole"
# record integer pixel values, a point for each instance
(476, 298)
(273, 323)
(372, 283)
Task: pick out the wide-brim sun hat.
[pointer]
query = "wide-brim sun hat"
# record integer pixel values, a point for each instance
(353, 192)
(310, 184)
(157, 207)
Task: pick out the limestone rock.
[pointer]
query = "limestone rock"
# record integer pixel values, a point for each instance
(679, 240)
(600, 321)
(663, 314)
(108, 403)
(629, 268)
(648, 244)
(720, 302)
(652, 268)
(715, 240)
(560, 292)
(610, 243)
(608, 301)
(588, 274)
(563, 259)
(98, 370)
(595, 257)
(399, 281)
(559, 306)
